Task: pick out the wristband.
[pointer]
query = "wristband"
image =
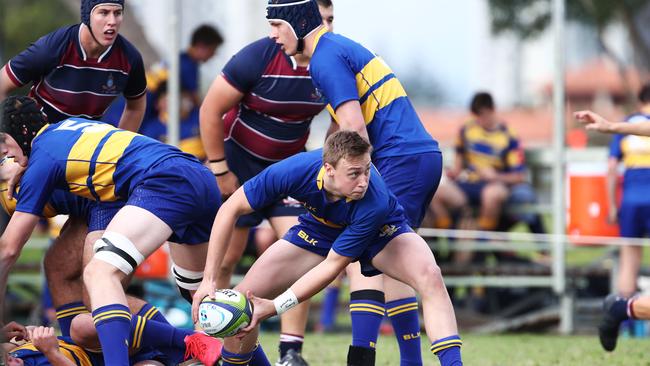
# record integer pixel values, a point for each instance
(219, 167)
(285, 301)
(221, 174)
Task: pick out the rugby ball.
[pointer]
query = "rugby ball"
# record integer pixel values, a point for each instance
(225, 314)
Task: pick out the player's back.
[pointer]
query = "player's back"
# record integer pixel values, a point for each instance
(634, 152)
(393, 125)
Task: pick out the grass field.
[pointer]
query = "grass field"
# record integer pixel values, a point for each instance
(483, 350)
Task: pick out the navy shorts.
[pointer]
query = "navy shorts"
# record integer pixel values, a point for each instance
(472, 191)
(318, 239)
(100, 214)
(182, 193)
(634, 219)
(413, 179)
(245, 166)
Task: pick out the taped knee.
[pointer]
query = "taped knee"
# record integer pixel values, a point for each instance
(118, 251)
(186, 280)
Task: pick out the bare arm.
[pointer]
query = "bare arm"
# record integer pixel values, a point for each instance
(45, 341)
(595, 122)
(133, 113)
(13, 239)
(350, 118)
(6, 84)
(234, 207)
(612, 180)
(221, 98)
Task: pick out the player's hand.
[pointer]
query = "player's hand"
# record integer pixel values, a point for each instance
(262, 309)
(44, 339)
(14, 179)
(206, 288)
(593, 121)
(14, 330)
(488, 174)
(228, 184)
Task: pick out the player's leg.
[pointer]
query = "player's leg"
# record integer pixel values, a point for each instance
(632, 223)
(293, 323)
(493, 196)
(188, 262)
(63, 265)
(402, 310)
(133, 234)
(272, 264)
(407, 258)
(367, 309)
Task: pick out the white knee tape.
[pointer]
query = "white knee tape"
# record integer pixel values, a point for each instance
(186, 279)
(117, 250)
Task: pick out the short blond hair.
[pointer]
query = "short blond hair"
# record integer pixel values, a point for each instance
(344, 144)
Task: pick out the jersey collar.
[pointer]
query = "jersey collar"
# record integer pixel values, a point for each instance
(319, 178)
(320, 33)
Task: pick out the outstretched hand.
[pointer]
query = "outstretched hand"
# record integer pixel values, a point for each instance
(206, 288)
(593, 121)
(14, 330)
(262, 309)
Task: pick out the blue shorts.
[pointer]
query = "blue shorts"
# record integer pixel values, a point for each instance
(413, 180)
(245, 166)
(634, 219)
(318, 239)
(182, 193)
(472, 191)
(100, 214)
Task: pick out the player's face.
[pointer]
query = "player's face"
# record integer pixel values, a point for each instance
(13, 361)
(105, 22)
(282, 34)
(9, 148)
(350, 177)
(204, 52)
(486, 117)
(328, 16)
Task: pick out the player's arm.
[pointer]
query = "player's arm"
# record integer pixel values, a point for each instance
(13, 239)
(133, 113)
(221, 98)
(6, 84)
(595, 122)
(350, 118)
(224, 222)
(612, 180)
(45, 341)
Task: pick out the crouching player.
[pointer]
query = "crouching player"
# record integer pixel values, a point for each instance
(351, 216)
(169, 196)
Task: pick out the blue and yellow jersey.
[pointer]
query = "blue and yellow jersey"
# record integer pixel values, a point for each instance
(634, 153)
(480, 148)
(89, 159)
(301, 177)
(33, 357)
(343, 70)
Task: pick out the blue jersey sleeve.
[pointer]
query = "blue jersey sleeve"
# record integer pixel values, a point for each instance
(515, 158)
(333, 75)
(39, 58)
(371, 212)
(246, 67)
(615, 150)
(273, 183)
(38, 183)
(137, 83)
(189, 74)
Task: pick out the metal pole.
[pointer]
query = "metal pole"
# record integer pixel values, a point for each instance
(559, 213)
(174, 85)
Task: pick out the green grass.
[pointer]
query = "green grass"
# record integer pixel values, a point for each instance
(482, 350)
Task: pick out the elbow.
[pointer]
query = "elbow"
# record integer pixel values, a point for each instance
(8, 256)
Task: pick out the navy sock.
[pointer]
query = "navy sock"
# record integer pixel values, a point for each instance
(113, 323)
(151, 312)
(448, 350)
(254, 358)
(367, 311)
(618, 310)
(290, 341)
(156, 334)
(403, 315)
(328, 311)
(65, 313)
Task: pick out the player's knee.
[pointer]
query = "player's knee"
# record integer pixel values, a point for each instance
(83, 333)
(118, 252)
(430, 280)
(186, 280)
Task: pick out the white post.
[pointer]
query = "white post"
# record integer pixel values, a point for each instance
(559, 208)
(173, 83)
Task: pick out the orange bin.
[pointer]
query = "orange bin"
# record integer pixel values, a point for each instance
(156, 266)
(588, 209)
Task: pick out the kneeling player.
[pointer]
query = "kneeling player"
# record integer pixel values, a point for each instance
(352, 216)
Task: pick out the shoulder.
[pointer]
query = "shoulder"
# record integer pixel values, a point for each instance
(262, 49)
(637, 117)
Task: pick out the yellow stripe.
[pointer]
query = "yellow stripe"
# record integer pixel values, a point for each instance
(194, 146)
(325, 222)
(446, 344)
(401, 306)
(98, 319)
(151, 312)
(381, 97)
(78, 165)
(78, 351)
(111, 314)
(69, 312)
(332, 113)
(236, 361)
(366, 305)
(319, 178)
(106, 162)
(137, 333)
(368, 311)
(402, 311)
(371, 74)
(317, 38)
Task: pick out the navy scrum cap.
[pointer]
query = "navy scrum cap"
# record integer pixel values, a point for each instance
(301, 15)
(87, 7)
(21, 118)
